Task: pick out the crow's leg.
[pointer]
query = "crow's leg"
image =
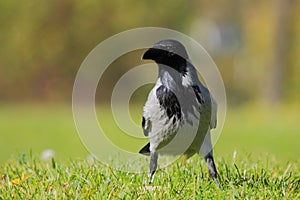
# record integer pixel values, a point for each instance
(212, 168)
(153, 165)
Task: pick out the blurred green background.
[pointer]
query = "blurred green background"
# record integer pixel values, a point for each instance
(255, 44)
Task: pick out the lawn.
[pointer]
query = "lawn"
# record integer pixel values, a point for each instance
(257, 157)
(241, 178)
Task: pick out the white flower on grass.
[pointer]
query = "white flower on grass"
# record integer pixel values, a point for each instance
(47, 154)
(90, 158)
(234, 155)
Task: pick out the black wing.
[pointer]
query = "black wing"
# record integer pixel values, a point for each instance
(210, 101)
(197, 92)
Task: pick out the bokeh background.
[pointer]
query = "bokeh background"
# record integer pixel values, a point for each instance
(255, 44)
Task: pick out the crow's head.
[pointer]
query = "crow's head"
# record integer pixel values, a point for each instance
(168, 52)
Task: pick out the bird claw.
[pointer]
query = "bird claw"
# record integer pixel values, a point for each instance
(150, 178)
(217, 183)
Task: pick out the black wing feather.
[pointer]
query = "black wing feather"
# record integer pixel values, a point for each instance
(197, 92)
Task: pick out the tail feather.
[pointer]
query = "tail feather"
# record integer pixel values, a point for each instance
(145, 150)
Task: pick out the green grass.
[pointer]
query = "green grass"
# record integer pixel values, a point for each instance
(38, 127)
(262, 131)
(252, 130)
(241, 178)
(265, 165)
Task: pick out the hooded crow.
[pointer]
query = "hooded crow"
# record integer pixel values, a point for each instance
(179, 112)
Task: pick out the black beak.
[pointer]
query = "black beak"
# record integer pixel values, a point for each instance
(151, 54)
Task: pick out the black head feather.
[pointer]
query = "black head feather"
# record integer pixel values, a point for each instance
(168, 52)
